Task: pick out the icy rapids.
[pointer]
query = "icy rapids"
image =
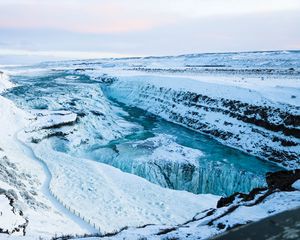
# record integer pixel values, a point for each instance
(79, 118)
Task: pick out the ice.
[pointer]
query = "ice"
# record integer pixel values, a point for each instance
(296, 185)
(159, 159)
(4, 82)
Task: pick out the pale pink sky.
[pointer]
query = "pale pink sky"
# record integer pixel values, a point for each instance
(143, 27)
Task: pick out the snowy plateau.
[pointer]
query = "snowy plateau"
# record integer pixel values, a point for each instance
(175, 147)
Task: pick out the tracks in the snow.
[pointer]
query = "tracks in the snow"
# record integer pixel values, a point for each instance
(56, 202)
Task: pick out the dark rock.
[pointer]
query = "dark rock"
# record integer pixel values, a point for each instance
(221, 225)
(282, 180)
(281, 226)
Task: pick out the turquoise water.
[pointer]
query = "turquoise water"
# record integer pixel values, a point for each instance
(223, 170)
(220, 170)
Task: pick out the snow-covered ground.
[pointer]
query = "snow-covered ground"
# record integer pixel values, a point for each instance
(9, 218)
(4, 82)
(200, 227)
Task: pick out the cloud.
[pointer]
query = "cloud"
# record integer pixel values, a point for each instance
(81, 16)
(103, 16)
(143, 27)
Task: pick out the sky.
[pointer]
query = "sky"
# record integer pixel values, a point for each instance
(116, 28)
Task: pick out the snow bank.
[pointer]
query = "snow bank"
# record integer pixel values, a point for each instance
(10, 219)
(296, 185)
(4, 82)
(198, 228)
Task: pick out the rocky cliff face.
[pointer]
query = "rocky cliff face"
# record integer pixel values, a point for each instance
(270, 132)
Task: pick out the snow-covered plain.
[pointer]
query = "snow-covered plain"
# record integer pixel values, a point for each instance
(251, 103)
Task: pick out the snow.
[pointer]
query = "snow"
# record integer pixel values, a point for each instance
(51, 119)
(199, 228)
(296, 185)
(164, 148)
(267, 76)
(8, 219)
(4, 82)
(252, 91)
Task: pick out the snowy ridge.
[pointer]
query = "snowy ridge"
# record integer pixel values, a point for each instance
(199, 227)
(21, 177)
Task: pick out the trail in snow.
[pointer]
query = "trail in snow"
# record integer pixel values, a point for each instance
(46, 189)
